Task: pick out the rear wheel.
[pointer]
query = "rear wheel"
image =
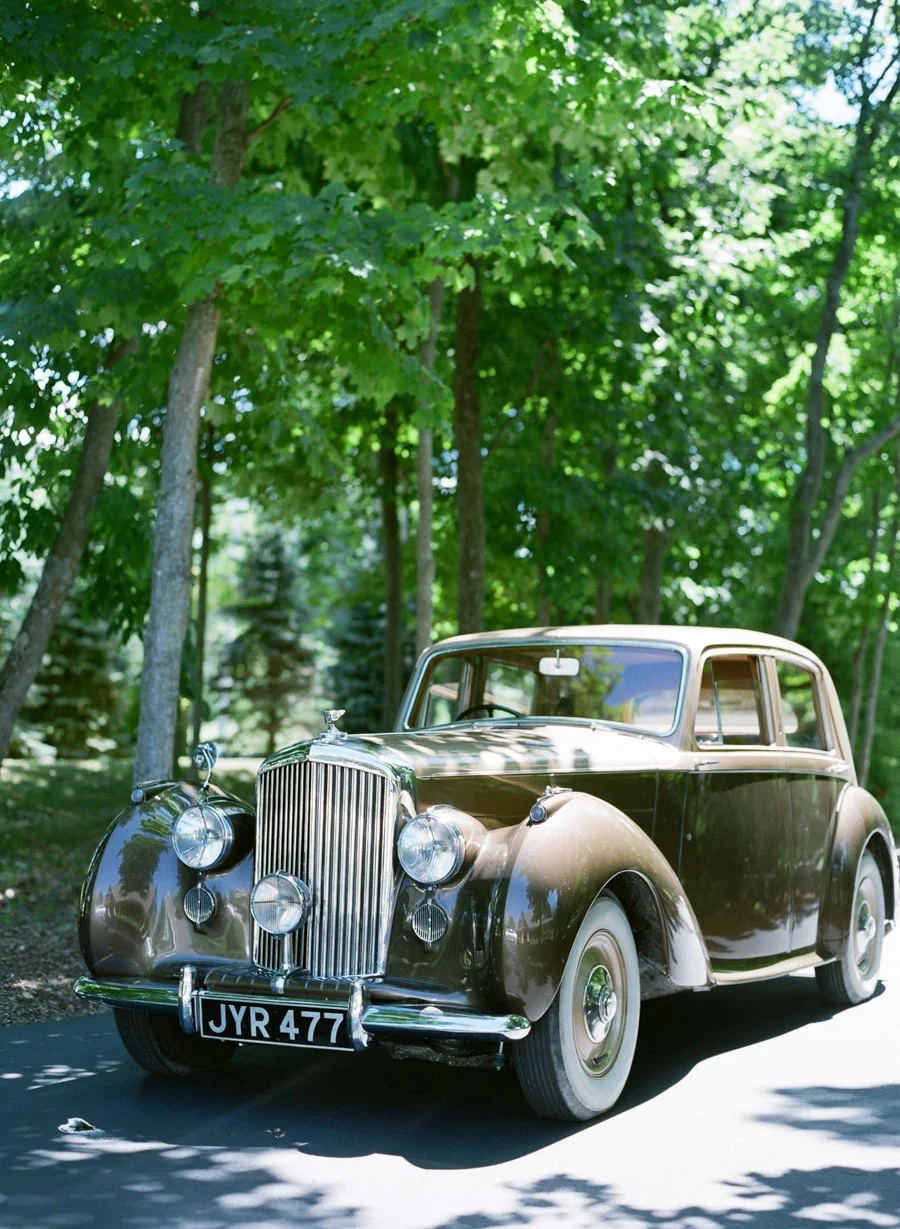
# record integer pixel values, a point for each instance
(157, 1043)
(853, 977)
(574, 1063)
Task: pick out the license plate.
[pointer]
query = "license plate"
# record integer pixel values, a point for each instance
(288, 1024)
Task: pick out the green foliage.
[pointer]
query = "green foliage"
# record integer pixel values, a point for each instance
(652, 193)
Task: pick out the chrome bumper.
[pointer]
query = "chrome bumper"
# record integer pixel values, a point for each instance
(367, 1019)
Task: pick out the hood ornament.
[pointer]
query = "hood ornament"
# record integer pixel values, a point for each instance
(331, 733)
(204, 760)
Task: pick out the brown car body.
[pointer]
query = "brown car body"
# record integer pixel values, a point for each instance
(732, 862)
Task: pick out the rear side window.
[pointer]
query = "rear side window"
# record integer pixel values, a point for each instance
(799, 710)
(730, 710)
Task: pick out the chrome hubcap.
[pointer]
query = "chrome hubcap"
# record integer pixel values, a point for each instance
(601, 1003)
(866, 926)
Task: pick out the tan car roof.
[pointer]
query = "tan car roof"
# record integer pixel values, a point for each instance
(694, 638)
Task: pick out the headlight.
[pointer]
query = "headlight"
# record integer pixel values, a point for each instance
(279, 903)
(202, 837)
(431, 848)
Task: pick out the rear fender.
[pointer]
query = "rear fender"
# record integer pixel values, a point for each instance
(859, 824)
(558, 868)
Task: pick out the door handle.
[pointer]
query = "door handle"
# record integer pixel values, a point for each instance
(706, 763)
(840, 767)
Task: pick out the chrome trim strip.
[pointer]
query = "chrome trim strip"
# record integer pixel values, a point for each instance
(358, 1033)
(326, 753)
(432, 1021)
(152, 996)
(375, 1018)
(789, 964)
(419, 671)
(186, 1016)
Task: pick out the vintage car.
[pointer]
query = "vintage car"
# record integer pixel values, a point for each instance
(564, 822)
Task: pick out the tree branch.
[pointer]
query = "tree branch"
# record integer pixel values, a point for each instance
(852, 459)
(865, 89)
(284, 105)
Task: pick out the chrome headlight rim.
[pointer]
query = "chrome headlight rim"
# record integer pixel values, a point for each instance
(448, 847)
(301, 903)
(219, 831)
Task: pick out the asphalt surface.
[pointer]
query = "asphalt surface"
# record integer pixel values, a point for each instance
(751, 1106)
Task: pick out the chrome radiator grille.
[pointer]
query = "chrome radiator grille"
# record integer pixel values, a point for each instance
(332, 825)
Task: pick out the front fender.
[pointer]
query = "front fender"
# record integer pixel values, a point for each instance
(859, 824)
(131, 920)
(558, 869)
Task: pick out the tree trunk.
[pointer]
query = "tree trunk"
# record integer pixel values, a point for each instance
(602, 599)
(192, 118)
(61, 565)
(871, 713)
(425, 491)
(393, 577)
(603, 591)
(469, 465)
(178, 740)
(859, 657)
(865, 759)
(656, 543)
(202, 580)
(170, 594)
(272, 717)
(543, 529)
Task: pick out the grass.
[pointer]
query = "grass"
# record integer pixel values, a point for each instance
(51, 819)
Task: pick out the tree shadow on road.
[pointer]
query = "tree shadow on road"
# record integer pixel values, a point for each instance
(226, 1145)
(836, 1195)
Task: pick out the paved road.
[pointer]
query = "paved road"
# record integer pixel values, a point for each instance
(753, 1106)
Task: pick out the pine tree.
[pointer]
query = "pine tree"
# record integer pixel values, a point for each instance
(266, 666)
(74, 704)
(356, 680)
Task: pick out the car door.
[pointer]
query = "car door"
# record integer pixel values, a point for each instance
(736, 850)
(815, 775)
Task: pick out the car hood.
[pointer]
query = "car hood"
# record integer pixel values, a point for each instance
(518, 751)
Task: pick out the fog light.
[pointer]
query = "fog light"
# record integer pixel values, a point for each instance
(199, 904)
(429, 922)
(280, 903)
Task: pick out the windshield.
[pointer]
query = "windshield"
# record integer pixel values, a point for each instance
(632, 685)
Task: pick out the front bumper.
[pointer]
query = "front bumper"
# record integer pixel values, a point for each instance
(367, 1019)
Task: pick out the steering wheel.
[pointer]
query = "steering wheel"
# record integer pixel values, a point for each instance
(490, 709)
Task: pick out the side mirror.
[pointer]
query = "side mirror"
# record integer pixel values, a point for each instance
(204, 760)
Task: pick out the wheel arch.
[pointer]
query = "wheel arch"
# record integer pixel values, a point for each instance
(640, 902)
(886, 858)
(860, 824)
(559, 867)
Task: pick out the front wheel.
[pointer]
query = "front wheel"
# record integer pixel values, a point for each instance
(157, 1043)
(573, 1064)
(853, 977)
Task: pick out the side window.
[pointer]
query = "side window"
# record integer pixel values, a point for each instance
(510, 686)
(799, 712)
(441, 702)
(730, 709)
